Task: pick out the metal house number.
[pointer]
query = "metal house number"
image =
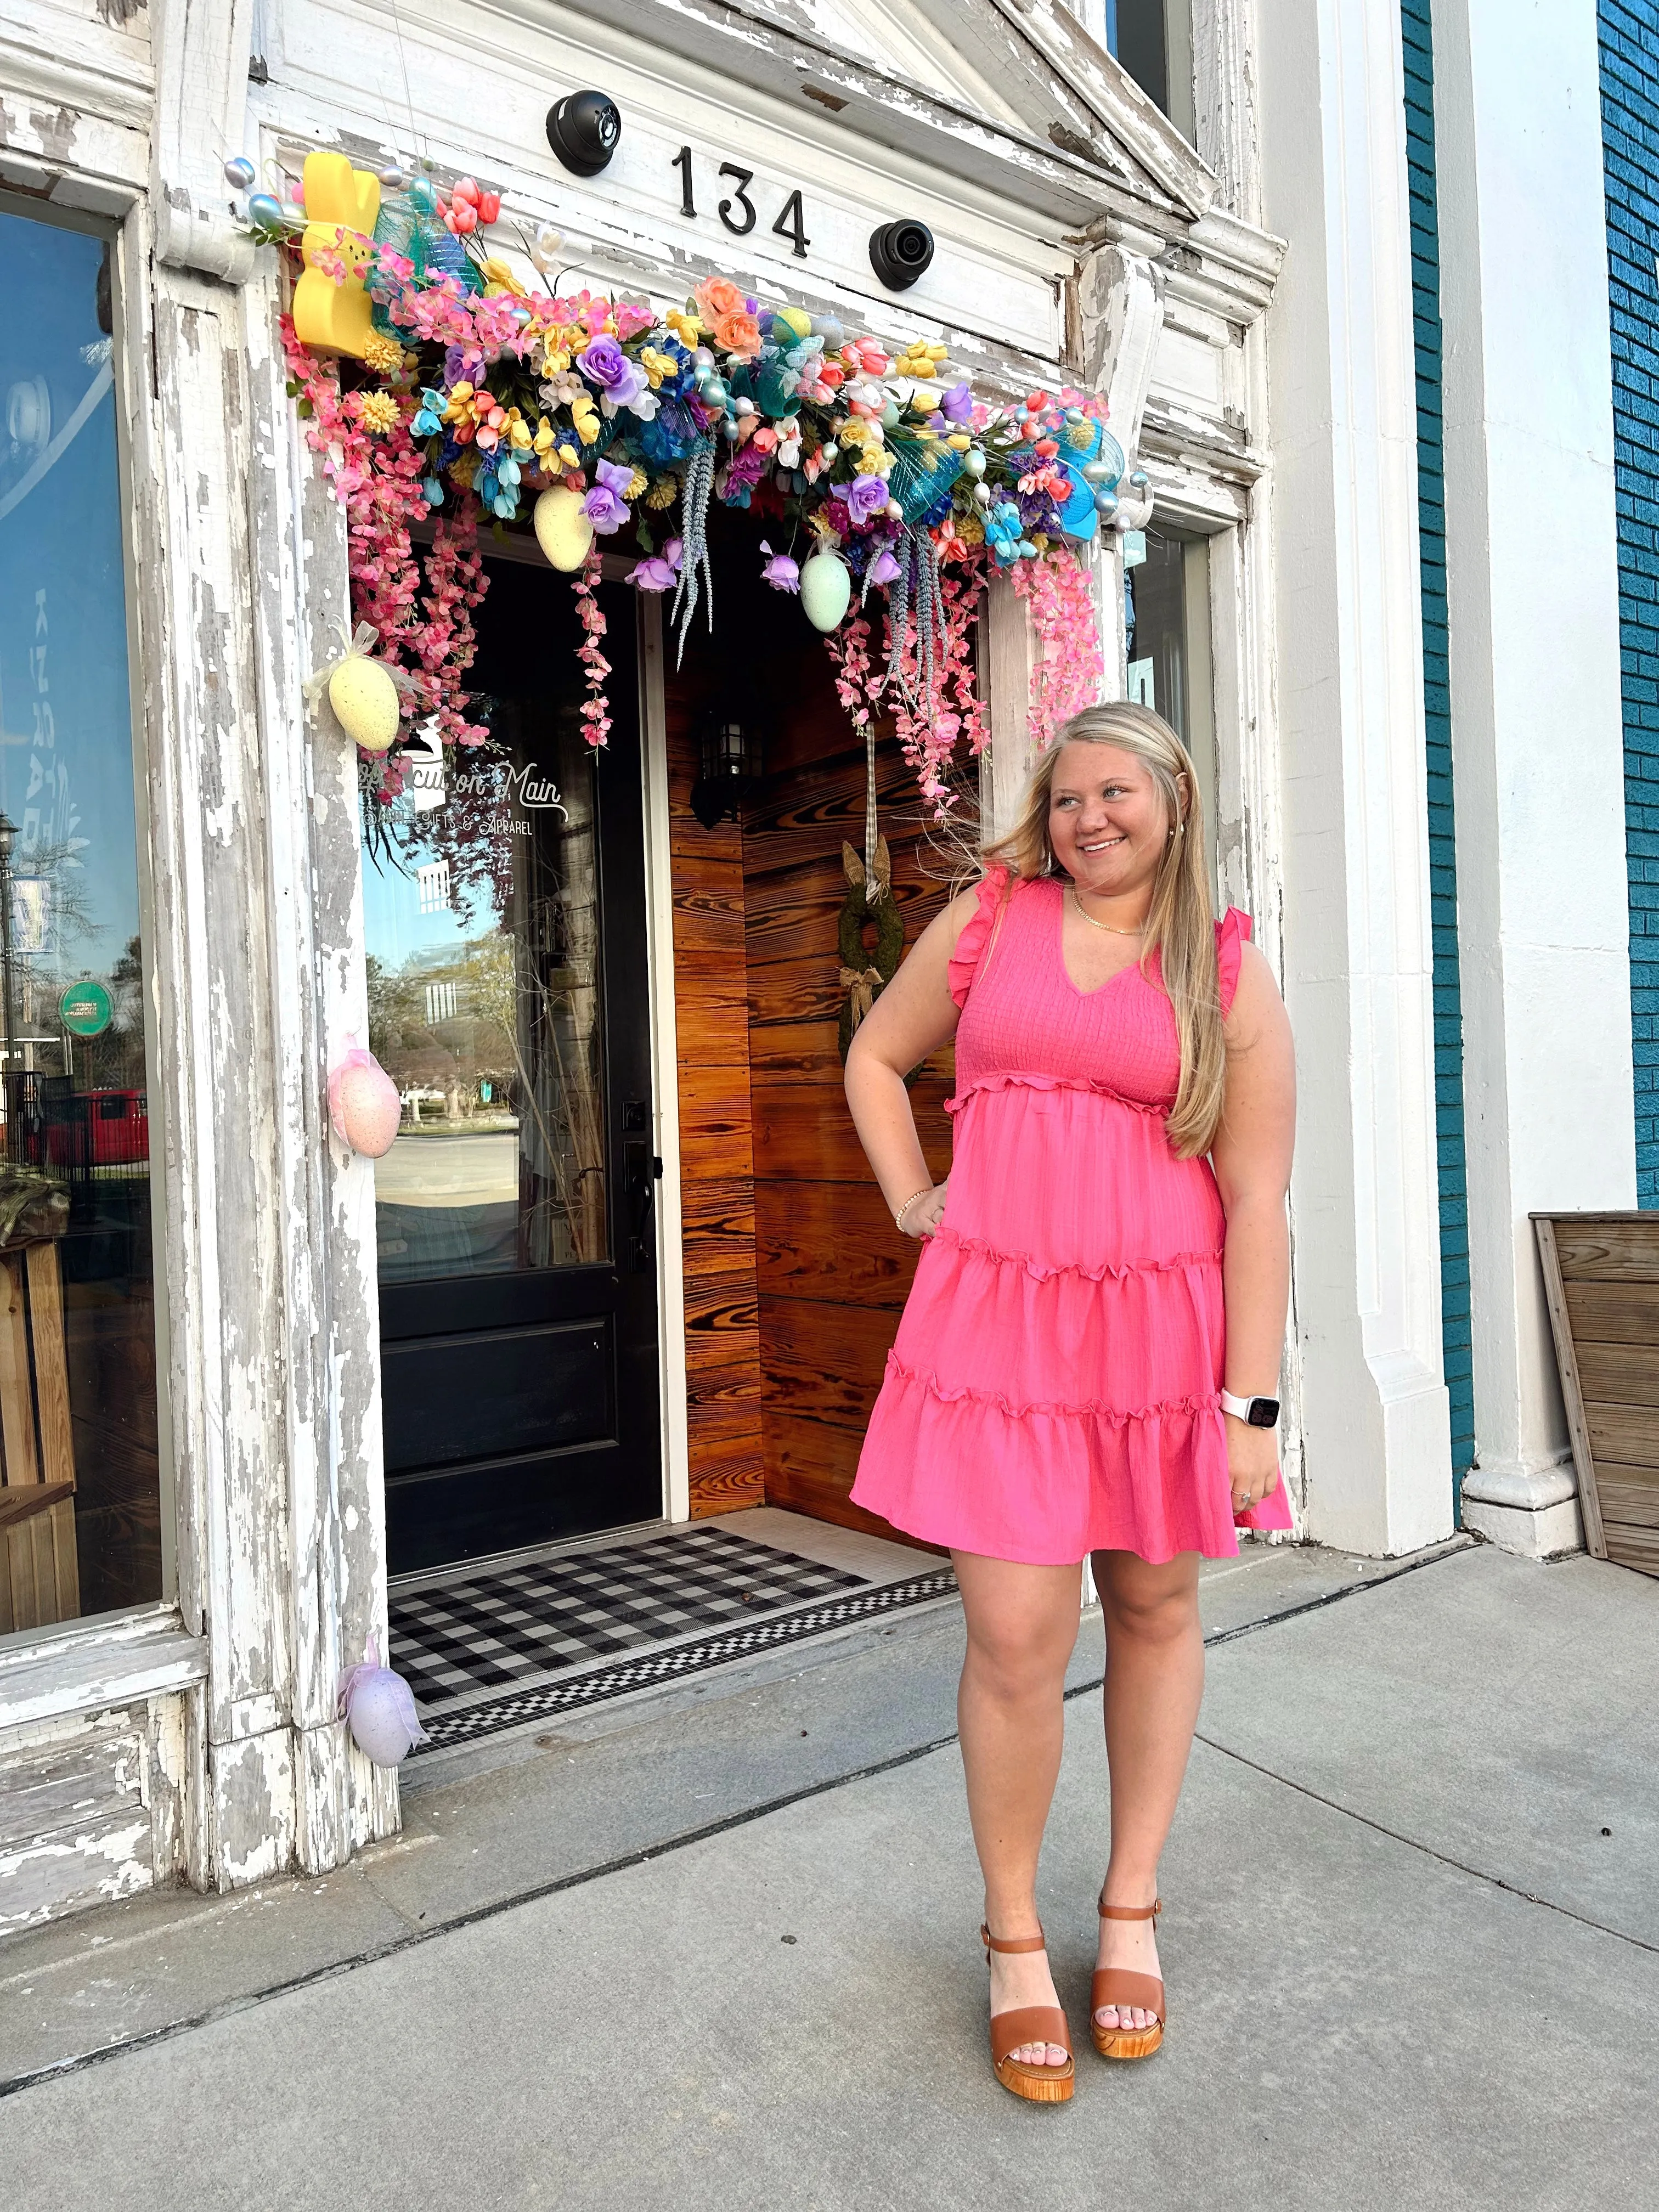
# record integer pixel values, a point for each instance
(737, 211)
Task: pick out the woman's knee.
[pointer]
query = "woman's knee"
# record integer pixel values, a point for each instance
(1153, 1605)
(1019, 1638)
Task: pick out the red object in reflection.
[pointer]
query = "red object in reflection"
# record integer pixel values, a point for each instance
(117, 1131)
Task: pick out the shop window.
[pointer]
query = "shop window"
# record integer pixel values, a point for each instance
(79, 1487)
(1166, 617)
(1153, 39)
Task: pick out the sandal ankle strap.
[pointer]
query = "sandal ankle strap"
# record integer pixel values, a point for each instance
(1037, 1942)
(1128, 1912)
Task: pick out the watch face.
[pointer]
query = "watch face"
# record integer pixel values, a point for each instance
(1263, 1413)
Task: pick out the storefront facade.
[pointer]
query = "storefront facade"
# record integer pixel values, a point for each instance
(675, 1299)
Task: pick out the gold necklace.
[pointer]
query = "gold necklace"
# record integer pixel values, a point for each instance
(1112, 927)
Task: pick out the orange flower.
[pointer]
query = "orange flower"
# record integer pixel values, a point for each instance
(717, 296)
(738, 333)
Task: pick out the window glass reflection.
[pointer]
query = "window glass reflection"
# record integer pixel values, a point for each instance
(80, 1518)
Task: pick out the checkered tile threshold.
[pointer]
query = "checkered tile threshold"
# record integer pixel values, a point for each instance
(548, 1636)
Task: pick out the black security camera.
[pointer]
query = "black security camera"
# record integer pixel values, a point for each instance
(584, 130)
(900, 252)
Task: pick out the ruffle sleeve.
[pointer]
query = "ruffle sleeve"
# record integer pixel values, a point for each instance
(1230, 933)
(977, 933)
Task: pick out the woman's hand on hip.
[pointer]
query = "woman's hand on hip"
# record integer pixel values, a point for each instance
(922, 1218)
(1252, 1460)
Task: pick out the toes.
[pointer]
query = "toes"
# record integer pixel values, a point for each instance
(1056, 2054)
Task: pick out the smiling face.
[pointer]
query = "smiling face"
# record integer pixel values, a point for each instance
(1107, 822)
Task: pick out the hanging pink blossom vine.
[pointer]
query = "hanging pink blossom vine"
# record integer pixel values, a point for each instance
(929, 731)
(596, 708)
(1069, 674)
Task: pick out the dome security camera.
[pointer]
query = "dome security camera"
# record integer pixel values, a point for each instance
(584, 129)
(901, 252)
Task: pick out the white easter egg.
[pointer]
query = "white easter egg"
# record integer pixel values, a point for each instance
(826, 590)
(562, 531)
(365, 703)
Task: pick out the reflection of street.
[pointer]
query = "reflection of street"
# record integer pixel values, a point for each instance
(435, 1168)
(447, 1204)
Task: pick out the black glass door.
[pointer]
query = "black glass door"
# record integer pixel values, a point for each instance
(505, 912)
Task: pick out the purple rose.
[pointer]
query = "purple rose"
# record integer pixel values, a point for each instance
(781, 572)
(959, 404)
(865, 498)
(605, 505)
(607, 365)
(660, 573)
(883, 570)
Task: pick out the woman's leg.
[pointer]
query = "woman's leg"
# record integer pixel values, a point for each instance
(1154, 1680)
(1022, 1623)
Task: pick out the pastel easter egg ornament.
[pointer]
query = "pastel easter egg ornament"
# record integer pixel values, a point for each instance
(363, 1105)
(562, 529)
(365, 703)
(378, 1707)
(826, 589)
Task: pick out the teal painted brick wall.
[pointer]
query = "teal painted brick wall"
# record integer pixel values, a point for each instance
(1437, 699)
(1630, 131)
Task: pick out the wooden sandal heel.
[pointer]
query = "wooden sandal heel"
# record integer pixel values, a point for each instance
(1011, 2031)
(1116, 1985)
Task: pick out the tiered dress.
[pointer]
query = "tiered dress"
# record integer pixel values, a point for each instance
(1055, 1388)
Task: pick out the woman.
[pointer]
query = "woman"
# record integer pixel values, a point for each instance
(1088, 1362)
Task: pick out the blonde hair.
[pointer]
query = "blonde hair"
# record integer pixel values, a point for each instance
(1180, 922)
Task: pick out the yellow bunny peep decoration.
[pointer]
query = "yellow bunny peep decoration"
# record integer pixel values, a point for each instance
(341, 205)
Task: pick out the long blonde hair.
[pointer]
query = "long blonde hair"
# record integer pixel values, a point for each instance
(1179, 923)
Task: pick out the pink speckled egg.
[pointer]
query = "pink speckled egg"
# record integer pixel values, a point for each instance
(363, 1104)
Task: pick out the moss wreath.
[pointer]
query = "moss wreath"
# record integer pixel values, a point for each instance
(866, 972)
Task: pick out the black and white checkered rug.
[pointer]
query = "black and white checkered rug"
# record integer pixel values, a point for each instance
(549, 1635)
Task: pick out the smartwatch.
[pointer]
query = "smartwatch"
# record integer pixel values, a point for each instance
(1260, 1412)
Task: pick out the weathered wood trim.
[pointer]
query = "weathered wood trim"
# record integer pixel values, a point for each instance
(85, 1670)
(200, 55)
(664, 1062)
(1567, 1357)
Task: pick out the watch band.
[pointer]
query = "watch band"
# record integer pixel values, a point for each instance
(1259, 1413)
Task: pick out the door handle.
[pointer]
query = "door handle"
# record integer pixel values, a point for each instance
(643, 1171)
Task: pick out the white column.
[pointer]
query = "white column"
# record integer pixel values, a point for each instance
(1537, 733)
(1358, 966)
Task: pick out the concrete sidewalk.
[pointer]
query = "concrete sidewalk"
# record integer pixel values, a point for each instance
(1412, 1948)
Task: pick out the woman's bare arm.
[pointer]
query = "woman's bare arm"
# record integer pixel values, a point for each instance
(1251, 1156)
(913, 1016)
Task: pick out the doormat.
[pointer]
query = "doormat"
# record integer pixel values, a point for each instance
(533, 1632)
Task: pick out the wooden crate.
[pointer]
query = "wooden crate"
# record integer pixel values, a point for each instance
(39, 1573)
(1602, 1280)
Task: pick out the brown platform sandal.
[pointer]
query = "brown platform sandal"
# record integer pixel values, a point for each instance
(1010, 2031)
(1117, 1985)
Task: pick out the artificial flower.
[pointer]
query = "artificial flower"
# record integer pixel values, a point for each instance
(659, 572)
(738, 334)
(781, 572)
(605, 506)
(687, 328)
(716, 296)
(866, 497)
(378, 412)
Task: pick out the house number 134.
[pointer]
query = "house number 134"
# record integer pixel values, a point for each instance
(737, 211)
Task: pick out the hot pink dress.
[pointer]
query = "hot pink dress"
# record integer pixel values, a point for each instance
(1055, 1388)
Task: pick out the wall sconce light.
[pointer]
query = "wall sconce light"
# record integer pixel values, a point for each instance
(584, 129)
(730, 762)
(900, 253)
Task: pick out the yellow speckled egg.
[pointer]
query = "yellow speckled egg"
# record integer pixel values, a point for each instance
(365, 703)
(797, 321)
(562, 531)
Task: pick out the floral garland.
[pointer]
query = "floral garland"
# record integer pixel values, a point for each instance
(478, 394)
(1069, 670)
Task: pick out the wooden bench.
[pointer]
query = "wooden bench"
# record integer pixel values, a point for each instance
(40, 1570)
(1601, 1281)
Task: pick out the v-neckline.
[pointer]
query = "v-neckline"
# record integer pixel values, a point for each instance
(1060, 945)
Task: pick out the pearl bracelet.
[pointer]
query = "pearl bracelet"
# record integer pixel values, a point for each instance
(926, 1191)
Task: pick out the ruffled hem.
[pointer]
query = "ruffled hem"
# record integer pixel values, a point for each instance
(1093, 1409)
(1045, 1488)
(977, 1248)
(1230, 933)
(1008, 1079)
(971, 944)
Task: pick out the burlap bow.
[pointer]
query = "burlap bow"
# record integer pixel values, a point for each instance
(863, 983)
